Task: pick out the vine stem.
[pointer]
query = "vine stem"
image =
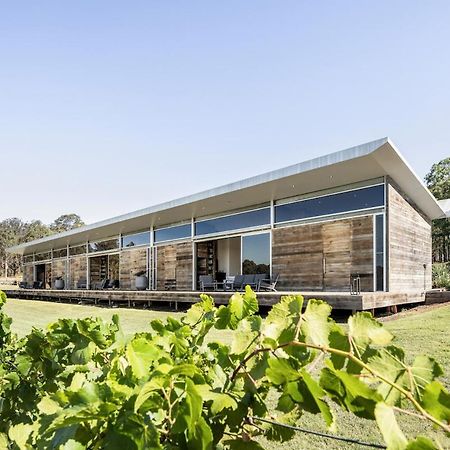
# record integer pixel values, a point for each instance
(356, 360)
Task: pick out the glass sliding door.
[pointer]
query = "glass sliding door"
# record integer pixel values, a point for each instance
(256, 254)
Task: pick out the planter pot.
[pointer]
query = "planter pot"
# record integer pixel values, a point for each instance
(141, 283)
(59, 284)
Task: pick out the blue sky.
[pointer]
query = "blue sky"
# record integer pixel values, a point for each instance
(108, 106)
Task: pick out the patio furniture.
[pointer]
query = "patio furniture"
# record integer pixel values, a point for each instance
(249, 280)
(269, 285)
(38, 285)
(81, 284)
(238, 283)
(260, 278)
(23, 285)
(207, 282)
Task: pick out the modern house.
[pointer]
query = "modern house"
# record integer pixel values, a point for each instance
(358, 213)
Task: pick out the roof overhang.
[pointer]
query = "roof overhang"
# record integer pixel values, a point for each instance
(371, 160)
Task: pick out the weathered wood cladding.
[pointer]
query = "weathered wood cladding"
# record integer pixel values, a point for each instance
(322, 256)
(28, 274)
(59, 269)
(409, 243)
(131, 262)
(174, 266)
(77, 271)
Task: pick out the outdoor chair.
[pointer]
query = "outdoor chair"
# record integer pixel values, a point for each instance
(104, 284)
(249, 280)
(207, 282)
(81, 284)
(260, 278)
(23, 285)
(269, 285)
(38, 285)
(238, 282)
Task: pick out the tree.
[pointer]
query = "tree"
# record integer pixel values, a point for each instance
(438, 179)
(438, 182)
(66, 222)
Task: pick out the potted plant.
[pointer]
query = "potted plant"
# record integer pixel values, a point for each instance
(141, 281)
(59, 283)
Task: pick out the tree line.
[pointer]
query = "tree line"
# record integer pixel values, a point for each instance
(438, 182)
(15, 231)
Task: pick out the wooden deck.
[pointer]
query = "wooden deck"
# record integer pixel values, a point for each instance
(338, 300)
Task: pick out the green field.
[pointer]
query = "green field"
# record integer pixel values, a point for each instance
(419, 332)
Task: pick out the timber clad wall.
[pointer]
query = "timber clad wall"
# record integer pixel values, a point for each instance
(409, 242)
(77, 271)
(322, 256)
(131, 262)
(59, 269)
(28, 274)
(174, 266)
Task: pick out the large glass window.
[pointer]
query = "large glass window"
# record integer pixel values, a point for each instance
(103, 246)
(379, 252)
(256, 254)
(28, 259)
(77, 250)
(42, 256)
(370, 197)
(133, 240)
(173, 233)
(238, 221)
(60, 253)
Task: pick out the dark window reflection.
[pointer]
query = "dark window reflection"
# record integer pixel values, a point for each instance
(256, 254)
(234, 222)
(370, 197)
(379, 246)
(172, 233)
(61, 253)
(103, 246)
(133, 240)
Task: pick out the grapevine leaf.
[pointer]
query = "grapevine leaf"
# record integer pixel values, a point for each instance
(140, 354)
(72, 444)
(365, 330)
(243, 444)
(280, 433)
(313, 396)
(387, 423)
(349, 392)
(20, 434)
(315, 325)
(436, 400)
(421, 443)
(200, 437)
(280, 371)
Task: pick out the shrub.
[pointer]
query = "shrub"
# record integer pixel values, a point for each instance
(441, 275)
(83, 384)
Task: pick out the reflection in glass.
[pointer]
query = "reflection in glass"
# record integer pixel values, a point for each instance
(42, 256)
(103, 246)
(370, 197)
(234, 222)
(256, 254)
(172, 233)
(133, 240)
(77, 250)
(61, 253)
(28, 259)
(379, 246)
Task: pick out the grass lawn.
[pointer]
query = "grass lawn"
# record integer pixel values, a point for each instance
(424, 331)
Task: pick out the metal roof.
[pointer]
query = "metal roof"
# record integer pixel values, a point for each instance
(363, 162)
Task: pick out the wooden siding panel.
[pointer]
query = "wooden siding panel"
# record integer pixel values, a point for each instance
(174, 266)
(59, 269)
(409, 240)
(77, 271)
(131, 262)
(322, 256)
(28, 274)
